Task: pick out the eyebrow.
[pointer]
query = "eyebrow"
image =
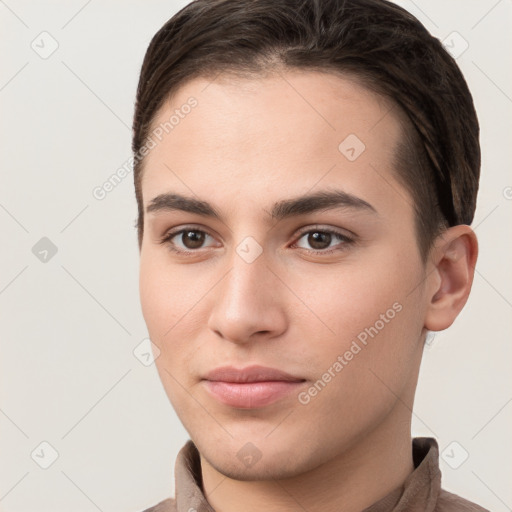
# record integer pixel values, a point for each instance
(302, 205)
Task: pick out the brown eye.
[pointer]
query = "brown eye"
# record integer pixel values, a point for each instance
(323, 241)
(188, 240)
(319, 239)
(193, 239)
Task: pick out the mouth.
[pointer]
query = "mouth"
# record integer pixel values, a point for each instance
(251, 387)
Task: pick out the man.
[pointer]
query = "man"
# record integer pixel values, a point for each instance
(306, 173)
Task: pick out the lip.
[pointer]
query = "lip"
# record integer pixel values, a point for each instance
(251, 387)
(254, 373)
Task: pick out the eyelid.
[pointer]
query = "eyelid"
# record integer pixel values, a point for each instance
(346, 239)
(171, 233)
(328, 229)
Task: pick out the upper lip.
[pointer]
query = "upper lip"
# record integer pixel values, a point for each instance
(253, 373)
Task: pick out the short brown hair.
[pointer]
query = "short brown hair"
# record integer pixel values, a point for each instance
(380, 44)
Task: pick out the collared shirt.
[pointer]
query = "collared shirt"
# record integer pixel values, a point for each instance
(420, 492)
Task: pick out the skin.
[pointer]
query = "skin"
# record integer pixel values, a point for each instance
(249, 144)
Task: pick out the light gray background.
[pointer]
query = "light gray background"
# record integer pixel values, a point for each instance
(69, 326)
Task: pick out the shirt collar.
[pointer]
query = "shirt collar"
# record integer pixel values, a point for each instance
(419, 492)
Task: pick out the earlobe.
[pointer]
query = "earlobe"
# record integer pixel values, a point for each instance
(454, 259)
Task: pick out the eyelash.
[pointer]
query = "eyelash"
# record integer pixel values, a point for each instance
(167, 240)
(344, 239)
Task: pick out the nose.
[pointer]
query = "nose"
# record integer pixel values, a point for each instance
(248, 303)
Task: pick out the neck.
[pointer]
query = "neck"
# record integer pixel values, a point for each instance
(371, 468)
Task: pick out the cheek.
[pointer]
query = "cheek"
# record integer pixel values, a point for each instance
(366, 314)
(160, 298)
(152, 296)
(166, 311)
(170, 302)
(348, 300)
(360, 369)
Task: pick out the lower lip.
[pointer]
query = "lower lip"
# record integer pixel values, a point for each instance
(250, 395)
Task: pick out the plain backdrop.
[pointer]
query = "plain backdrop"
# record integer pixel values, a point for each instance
(69, 305)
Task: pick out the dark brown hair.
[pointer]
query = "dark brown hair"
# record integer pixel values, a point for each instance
(380, 44)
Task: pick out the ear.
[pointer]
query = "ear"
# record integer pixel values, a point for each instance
(451, 272)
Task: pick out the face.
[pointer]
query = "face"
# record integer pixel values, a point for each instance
(276, 234)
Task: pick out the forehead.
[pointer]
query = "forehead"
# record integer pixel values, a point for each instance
(286, 131)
